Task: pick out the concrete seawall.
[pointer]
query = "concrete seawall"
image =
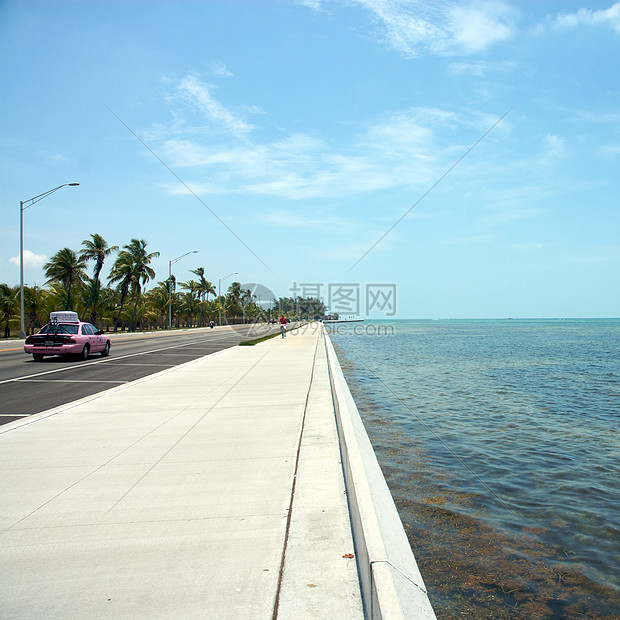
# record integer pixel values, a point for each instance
(391, 583)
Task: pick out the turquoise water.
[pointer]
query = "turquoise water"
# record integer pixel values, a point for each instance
(512, 424)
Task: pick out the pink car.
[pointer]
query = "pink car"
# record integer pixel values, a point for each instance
(65, 334)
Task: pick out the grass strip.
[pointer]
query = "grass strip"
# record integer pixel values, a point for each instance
(251, 343)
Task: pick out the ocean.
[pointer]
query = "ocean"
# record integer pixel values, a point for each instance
(500, 442)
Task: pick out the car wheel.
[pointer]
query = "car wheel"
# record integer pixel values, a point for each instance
(37, 357)
(84, 354)
(106, 350)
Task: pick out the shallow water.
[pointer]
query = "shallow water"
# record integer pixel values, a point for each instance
(500, 443)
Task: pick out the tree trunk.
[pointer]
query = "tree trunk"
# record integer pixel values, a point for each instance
(133, 314)
(68, 297)
(123, 295)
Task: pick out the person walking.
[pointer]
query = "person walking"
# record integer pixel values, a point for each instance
(283, 326)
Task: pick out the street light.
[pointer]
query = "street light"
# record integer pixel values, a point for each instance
(170, 263)
(219, 293)
(23, 205)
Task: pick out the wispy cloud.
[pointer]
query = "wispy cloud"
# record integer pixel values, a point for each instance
(199, 94)
(587, 17)
(219, 68)
(594, 255)
(311, 4)
(470, 240)
(400, 149)
(283, 218)
(508, 216)
(512, 204)
(610, 150)
(475, 28)
(412, 27)
(480, 68)
(528, 246)
(555, 147)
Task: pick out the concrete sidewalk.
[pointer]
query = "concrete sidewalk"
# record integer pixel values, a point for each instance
(210, 490)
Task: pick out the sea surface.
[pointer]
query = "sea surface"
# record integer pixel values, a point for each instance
(500, 441)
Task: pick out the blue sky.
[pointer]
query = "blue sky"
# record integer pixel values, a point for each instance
(295, 134)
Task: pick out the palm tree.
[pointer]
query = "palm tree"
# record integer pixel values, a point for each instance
(96, 250)
(234, 291)
(158, 299)
(200, 272)
(232, 301)
(190, 306)
(108, 302)
(212, 309)
(36, 300)
(192, 286)
(206, 288)
(246, 298)
(67, 268)
(9, 302)
(122, 272)
(142, 273)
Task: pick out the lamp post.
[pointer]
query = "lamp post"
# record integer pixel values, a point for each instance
(23, 205)
(219, 293)
(170, 263)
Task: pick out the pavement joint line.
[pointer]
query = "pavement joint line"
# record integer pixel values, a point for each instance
(41, 415)
(183, 353)
(102, 465)
(68, 381)
(158, 365)
(191, 428)
(276, 604)
(239, 517)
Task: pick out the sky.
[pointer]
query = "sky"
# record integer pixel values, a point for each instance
(399, 158)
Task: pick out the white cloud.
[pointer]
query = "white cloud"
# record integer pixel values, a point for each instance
(594, 255)
(480, 68)
(58, 159)
(31, 260)
(611, 150)
(397, 150)
(508, 216)
(476, 27)
(219, 68)
(289, 219)
(311, 4)
(441, 27)
(555, 147)
(470, 240)
(198, 94)
(587, 17)
(403, 149)
(528, 246)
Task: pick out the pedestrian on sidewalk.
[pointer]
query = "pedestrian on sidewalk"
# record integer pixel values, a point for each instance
(283, 326)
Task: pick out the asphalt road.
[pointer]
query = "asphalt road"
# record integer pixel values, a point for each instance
(28, 387)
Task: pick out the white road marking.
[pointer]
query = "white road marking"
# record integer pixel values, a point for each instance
(104, 360)
(68, 381)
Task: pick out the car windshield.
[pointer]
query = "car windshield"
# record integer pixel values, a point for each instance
(61, 328)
